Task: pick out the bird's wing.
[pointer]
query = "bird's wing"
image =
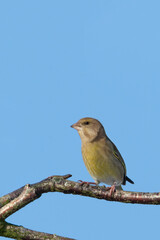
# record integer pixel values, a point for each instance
(117, 154)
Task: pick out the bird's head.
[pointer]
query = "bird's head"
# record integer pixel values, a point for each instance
(89, 129)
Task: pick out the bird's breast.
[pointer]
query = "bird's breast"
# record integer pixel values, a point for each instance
(100, 163)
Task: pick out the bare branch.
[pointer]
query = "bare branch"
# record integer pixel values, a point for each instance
(29, 193)
(24, 198)
(19, 232)
(16, 200)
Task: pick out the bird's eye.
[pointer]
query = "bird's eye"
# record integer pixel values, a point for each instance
(86, 123)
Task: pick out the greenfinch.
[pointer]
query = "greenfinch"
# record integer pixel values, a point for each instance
(101, 157)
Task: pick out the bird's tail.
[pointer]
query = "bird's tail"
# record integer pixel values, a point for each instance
(129, 180)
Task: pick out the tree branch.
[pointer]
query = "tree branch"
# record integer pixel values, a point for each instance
(19, 232)
(16, 200)
(31, 192)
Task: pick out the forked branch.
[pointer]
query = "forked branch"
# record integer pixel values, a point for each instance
(16, 200)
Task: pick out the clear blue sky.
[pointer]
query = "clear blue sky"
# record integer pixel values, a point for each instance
(64, 60)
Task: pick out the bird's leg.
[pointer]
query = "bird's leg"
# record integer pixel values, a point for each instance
(87, 183)
(111, 189)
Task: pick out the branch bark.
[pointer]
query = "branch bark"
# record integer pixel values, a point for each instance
(16, 200)
(19, 232)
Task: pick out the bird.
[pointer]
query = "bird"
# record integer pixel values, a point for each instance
(101, 157)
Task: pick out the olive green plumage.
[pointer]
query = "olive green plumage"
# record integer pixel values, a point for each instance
(101, 157)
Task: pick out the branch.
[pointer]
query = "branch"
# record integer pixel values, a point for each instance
(16, 200)
(19, 232)
(29, 193)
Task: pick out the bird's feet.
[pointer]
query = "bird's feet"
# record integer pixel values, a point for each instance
(111, 189)
(87, 183)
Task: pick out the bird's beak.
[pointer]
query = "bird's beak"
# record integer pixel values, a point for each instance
(76, 126)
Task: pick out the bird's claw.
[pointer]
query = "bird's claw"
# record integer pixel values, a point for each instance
(111, 190)
(87, 183)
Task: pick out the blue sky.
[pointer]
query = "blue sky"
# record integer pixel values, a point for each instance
(64, 60)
